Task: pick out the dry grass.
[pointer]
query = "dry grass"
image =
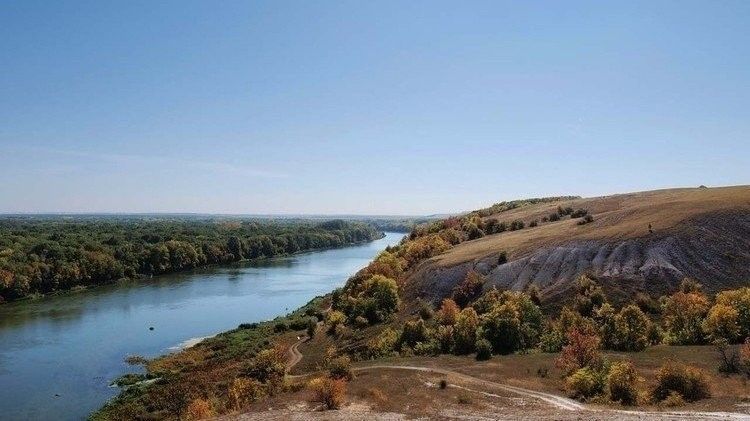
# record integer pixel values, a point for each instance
(615, 218)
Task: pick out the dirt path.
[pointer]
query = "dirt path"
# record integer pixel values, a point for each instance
(554, 400)
(293, 354)
(559, 402)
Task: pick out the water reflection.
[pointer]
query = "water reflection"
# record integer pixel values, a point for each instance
(74, 345)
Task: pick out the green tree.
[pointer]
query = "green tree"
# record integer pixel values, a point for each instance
(631, 329)
(465, 331)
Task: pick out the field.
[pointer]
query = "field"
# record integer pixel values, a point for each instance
(385, 392)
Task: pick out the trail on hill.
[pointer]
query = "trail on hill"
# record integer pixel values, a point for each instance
(293, 354)
(559, 402)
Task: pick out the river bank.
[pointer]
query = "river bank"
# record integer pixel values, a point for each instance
(61, 353)
(145, 278)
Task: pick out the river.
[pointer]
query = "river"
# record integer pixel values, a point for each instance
(58, 355)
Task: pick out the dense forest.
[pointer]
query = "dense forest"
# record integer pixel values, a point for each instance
(45, 254)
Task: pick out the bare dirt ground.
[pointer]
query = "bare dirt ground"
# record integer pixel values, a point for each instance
(698, 233)
(509, 387)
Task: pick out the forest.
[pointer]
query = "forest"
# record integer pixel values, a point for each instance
(46, 254)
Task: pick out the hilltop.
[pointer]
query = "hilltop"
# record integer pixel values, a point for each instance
(637, 242)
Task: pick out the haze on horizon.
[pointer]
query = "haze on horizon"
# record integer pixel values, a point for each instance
(365, 108)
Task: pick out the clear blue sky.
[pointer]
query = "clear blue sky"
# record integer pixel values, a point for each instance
(408, 107)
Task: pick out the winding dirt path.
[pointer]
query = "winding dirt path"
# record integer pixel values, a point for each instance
(559, 402)
(293, 354)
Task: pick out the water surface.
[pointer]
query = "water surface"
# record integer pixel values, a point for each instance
(58, 355)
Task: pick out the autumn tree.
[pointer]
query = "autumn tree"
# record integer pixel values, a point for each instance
(468, 290)
(722, 323)
(465, 331)
(683, 317)
(631, 329)
(738, 299)
(448, 312)
(582, 350)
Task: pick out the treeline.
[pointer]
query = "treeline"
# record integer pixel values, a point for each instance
(40, 255)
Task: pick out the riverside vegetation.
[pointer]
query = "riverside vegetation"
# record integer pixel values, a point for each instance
(369, 319)
(42, 255)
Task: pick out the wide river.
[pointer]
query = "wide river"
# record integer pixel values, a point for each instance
(58, 355)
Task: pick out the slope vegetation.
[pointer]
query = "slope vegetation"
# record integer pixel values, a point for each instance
(645, 241)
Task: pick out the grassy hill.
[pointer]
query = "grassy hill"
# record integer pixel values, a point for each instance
(394, 309)
(646, 241)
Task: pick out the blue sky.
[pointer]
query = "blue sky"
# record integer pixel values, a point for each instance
(380, 107)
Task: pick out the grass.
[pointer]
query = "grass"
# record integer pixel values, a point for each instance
(206, 367)
(615, 217)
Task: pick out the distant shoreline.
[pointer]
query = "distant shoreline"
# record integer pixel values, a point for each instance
(140, 279)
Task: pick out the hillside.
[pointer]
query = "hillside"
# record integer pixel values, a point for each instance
(701, 233)
(393, 325)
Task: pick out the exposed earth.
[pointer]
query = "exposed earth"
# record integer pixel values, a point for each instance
(503, 388)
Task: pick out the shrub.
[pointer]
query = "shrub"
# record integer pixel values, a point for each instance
(280, 327)
(502, 258)
(473, 231)
(312, 326)
(445, 338)
(564, 211)
(333, 319)
(426, 311)
(589, 297)
(673, 400)
(729, 359)
(690, 382)
(380, 295)
(585, 383)
(465, 331)
(631, 329)
(683, 317)
(738, 299)
(553, 217)
(198, 409)
(688, 286)
(448, 312)
(745, 356)
(243, 391)
(340, 368)
(383, 345)
(468, 290)
(534, 294)
(512, 323)
(552, 340)
(533, 223)
(268, 367)
(484, 350)
(431, 348)
(413, 332)
(329, 392)
(517, 225)
(361, 321)
(655, 335)
(647, 304)
(443, 383)
(622, 383)
(586, 220)
(721, 323)
(579, 213)
(502, 327)
(581, 351)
